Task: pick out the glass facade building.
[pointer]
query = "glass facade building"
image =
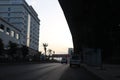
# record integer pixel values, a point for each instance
(24, 18)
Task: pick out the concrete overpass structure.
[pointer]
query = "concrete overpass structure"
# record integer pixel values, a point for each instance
(94, 24)
(59, 55)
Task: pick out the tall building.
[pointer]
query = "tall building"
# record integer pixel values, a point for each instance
(8, 33)
(24, 18)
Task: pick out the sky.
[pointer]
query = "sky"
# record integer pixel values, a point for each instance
(54, 29)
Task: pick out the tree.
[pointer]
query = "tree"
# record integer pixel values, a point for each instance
(45, 47)
(37, 56)
(53, 52)
(25, 51)
(50, 52)
(12, 48)
(1, 46)
(40, 52)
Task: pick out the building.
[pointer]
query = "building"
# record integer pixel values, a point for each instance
(8, 33)
(24, 18)
(70, 51)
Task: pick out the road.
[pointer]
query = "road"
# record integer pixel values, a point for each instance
(46, 71)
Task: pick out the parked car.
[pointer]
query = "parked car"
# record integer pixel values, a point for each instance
(64, 60)
(75, 60)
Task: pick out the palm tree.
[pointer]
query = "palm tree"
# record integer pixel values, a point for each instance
(50, 52)
(45, 47)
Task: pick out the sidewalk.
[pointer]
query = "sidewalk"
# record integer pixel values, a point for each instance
(109, 72)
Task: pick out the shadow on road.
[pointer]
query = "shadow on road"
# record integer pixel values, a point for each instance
(78, 73)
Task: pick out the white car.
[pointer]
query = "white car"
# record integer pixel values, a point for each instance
(75, 60)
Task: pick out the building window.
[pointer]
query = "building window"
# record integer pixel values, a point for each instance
(8, 14)
(8, 19)
(8, 31)
(17, 36)
(12, 33)
(2, 27)
(9, 9)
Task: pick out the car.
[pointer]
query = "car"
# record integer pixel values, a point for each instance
(75, 60)
(64, 60)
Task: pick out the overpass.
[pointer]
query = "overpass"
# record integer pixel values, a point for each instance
(59, 55)
(94, 24)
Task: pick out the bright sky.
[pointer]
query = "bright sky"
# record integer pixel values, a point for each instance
(54, 29)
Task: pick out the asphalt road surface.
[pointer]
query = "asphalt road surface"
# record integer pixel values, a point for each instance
(46, 71)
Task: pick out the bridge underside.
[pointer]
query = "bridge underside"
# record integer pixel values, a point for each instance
(59, 55)
(94, 24)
